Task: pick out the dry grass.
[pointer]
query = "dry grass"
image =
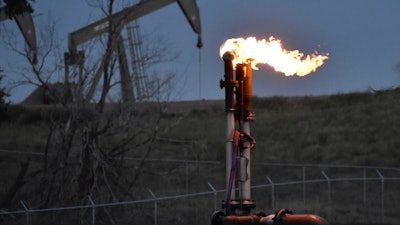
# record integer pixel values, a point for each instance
(351, 129)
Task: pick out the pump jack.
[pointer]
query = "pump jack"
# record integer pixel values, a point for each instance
(20, 11)
(117, 21)
(238, 144)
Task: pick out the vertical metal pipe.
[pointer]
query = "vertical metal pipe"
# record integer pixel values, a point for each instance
(244, 92)
(243, 100)
(247, 89)
(242, 169)
(228, 84)
(230, 128)
(246, 154)
(240, 76)
(247, 95)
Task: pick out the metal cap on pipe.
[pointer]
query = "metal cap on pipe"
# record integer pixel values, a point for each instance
(228, 56)
(228, 83)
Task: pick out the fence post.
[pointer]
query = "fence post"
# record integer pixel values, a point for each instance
(186, 171)
(272, 193)
(155, 206)
(329, 193)
(382, 195)
(215, 195)
(93, 210)
(365, 187)
(304, 184)
(27, 215)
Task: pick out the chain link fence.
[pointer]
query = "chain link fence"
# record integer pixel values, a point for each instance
(334, 193)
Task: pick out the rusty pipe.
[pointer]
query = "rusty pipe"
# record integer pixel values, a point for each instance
(281, 217)
(240, 76)
(301, 219)
(218, 218)
(244, 91)
(247, 90)
(286, 217)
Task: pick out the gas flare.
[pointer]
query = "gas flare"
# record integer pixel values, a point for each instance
(271, 52)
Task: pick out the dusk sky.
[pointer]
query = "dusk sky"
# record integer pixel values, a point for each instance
(362, 38)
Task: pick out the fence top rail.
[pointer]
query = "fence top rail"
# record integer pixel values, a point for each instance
(217, 162)
(328, 166)
(220, 162)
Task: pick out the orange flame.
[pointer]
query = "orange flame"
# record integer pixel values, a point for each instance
(272, 53)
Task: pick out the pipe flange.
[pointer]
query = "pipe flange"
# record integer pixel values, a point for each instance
(217, 218)
(279, 215)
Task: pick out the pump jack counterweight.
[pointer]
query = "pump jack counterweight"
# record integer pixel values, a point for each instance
(238, 144)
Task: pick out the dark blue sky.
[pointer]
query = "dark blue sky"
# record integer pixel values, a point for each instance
(362, 38)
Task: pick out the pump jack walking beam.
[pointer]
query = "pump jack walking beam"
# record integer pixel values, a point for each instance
(189, 8)
(20, 11)
(117, 22)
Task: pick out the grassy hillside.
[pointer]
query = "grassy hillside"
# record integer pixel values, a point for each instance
(355, 128)
(342, 129)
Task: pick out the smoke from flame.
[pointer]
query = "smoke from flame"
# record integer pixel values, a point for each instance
(272, 53)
